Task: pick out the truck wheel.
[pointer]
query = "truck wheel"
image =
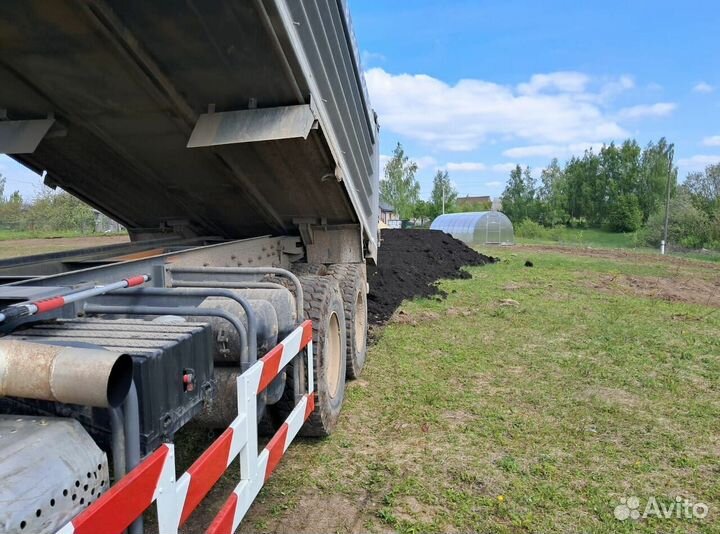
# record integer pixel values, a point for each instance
(352, 281)
(302, 268)
(324, 307)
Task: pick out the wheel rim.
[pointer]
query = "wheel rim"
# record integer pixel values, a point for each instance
(360, 323)
(332, 351)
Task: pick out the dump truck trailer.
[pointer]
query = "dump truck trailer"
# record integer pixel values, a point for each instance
(235, 142)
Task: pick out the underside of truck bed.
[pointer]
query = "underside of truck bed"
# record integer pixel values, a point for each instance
(119, 88)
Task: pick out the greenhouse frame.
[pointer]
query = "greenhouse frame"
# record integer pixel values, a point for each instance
(477, 228)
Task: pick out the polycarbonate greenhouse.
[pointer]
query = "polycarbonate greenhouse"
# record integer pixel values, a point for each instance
(477, 228)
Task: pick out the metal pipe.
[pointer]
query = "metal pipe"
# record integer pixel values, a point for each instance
(131, 412)
(54, 303)
(180, 310)
(250, 270)
(664, 242)
(210, 292)
(117, 431)
(90, 377)
(228, 285)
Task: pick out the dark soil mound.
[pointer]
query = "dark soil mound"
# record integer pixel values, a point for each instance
(410, 262)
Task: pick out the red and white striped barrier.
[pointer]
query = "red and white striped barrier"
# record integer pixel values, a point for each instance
(154, 479)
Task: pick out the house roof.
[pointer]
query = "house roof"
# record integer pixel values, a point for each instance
(386, 207)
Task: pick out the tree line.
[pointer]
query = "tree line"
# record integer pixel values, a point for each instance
(47, 211)
(622, 188)
(401, 190)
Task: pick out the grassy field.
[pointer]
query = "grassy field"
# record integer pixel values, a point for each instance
(592, 237)
(13, 245)
(586, 237)
(531, 400)
(10, 235)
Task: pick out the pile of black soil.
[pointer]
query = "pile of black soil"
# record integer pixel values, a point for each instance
(410, 262)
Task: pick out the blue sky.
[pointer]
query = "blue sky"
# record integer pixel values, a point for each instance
(478, 86)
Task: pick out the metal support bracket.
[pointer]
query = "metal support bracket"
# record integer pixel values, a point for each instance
(252, 125)
(23, 136)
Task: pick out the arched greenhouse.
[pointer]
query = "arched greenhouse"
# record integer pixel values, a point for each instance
(477, 228)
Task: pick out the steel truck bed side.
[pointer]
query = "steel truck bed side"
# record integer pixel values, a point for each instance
(215, 118)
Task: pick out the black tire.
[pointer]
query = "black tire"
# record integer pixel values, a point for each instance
(352, 279)
(302, 268)
(324, 307)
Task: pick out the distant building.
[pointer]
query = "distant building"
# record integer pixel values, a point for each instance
(387, 213)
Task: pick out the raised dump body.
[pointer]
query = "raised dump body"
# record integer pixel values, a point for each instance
(235, 141)
(197, 118)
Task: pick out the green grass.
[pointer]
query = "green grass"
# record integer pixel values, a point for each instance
(589, 237)
(16, 244)
(710, 255)
(7, 235)
(530, 400)
(596, 238)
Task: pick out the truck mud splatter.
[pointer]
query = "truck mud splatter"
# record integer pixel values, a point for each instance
(410, 263)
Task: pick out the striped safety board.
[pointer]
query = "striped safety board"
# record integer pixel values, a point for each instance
(153, 480)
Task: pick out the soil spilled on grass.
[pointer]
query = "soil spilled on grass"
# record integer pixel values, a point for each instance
(410, 263)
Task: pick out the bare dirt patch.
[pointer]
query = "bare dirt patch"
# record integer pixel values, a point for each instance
(412, 509)
(613, 396)
(313, 513)
(676, 289)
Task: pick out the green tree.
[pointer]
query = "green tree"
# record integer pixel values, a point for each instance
(481, 205)
(656, 164)
(10, 208)
(552, 196)
(689, 227)
(581, 175)
(443, 193)
(625, 214)
(518, 198)
(424, 211)
(618, 187)
(59, 211)
(400, 189)
(704, 188)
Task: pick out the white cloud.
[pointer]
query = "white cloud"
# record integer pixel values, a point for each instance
(612, 89)
(532, 151)
(367, 58)
(494, 183)
(563, 81)
(703, 87)
(504, 167)
(550, 151)
(698, 162)
(423, 162)
(554, 108)
(466, 166)
(713, 140)
(660, 109)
